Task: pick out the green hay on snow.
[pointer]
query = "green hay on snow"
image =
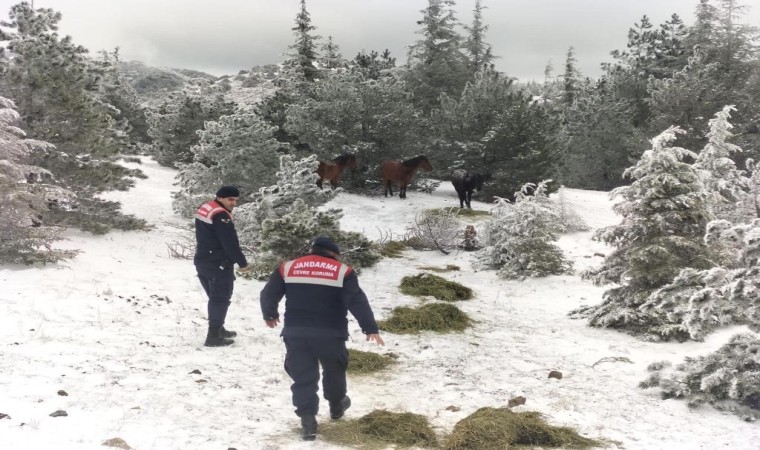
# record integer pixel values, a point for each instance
(438, 317)
(440, 288)
(492, 428)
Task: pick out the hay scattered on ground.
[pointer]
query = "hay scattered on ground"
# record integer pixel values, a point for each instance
(447, 268)
(438, 317)
(379, 429)
(460, 212)
(440, 288)
(361, 363)
(494, 428)
(392, 249)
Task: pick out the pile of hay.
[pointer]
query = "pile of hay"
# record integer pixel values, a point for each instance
(440, 288)
(460, 212)
(398, 428)
(360, 363)
(392, 249)
(448, 268)
(502, 428)
(439, 317)
(381, 429)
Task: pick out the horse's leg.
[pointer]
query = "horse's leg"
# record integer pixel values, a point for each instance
(402, 191)
(461, 199)
(319, 183)
(469, 197)
(388, 188)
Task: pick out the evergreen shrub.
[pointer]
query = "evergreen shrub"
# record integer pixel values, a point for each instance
(728, 379)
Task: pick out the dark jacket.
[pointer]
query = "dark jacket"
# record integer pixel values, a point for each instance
(216, 238)
(319, 292)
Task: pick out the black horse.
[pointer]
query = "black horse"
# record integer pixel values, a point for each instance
(464, 183)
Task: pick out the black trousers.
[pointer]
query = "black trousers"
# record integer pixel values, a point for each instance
(302, 360)
(218, 285)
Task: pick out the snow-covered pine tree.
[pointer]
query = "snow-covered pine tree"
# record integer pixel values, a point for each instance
(519, 240)
(754, 199)
(436, 63)
(478, 51)
(665, 212)
(331, 56)
(238, 149)
(175, 123)
(302, 61)
(728, 186)
(728, 379)
(697, 302)
(25, 193)
(282, 219)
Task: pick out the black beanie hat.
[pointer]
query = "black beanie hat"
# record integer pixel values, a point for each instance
(228, 191)
(327, 244)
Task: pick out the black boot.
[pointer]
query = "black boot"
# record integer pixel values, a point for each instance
(227, 333)
(215, 338)
(308, 428)
(339, 408)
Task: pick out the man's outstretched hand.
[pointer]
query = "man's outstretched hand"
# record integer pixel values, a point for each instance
(376, 338)
(272, 323)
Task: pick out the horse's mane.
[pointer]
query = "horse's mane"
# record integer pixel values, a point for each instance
(414, 162)
(343, 159)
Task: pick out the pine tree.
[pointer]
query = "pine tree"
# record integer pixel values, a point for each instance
(116, 91)
(175, 123)
(598, 140)
(373, 64)
(237, 149)
(698, 302)
(57, 89)
(304, 56)
(520, 238)
(727, 185)
(331, 57)
(329, 118)
(436, 64)
(570, 78)
(25, 193)
(282, 219)
(670, 49)
(477, 50)
(728, 378)
(665, 211)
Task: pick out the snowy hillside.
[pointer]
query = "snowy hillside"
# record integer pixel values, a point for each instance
(120, 328)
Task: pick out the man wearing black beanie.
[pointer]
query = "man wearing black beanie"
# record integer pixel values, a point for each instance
(217, 250)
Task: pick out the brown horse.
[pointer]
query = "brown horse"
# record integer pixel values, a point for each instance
(332, 170)
(401, 173)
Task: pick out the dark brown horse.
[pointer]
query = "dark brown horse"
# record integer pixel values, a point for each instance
(401, 173)
(332, 170)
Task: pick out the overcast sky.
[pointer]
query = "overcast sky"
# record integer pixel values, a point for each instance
(224, 36)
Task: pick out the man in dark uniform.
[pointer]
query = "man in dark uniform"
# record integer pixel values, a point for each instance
(319, 292)
(217, 251)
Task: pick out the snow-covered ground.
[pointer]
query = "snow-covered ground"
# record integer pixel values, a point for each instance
(120, 329)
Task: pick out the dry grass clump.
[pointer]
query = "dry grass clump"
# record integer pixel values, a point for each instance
(360, 363)
(494, 428)
(447, 268)
(380, 429)
(392, 249)
(440, 288)
(438, 317)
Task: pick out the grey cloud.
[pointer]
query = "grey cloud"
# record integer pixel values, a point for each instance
(228, 35)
